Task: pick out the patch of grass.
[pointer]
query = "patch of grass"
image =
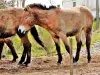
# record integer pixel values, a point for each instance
(96, 36)
(94, 25)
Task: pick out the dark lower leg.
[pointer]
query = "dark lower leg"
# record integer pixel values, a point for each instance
(28, 54)
(23, 57)
(1, 48)
(59, 53)
(88, 41)
(10, 45)
(79, 44)
(68, 50)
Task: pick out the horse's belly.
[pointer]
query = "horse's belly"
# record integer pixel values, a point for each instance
(5, 34)
(66, 28)
(70, 30)
(72, 33)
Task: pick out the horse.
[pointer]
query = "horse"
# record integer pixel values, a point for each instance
(9, 20)
(60, 23)
(9, 43)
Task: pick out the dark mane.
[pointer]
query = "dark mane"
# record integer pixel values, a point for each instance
(40, 6)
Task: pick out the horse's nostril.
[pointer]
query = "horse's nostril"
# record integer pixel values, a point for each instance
(21, 29)
(24, 32)
(21, 32)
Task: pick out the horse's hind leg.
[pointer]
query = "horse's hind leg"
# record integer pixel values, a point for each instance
(10, 45)
(65, 41)
(88, 42)
(57, 43)
(1, 48)
(36, 37)
(79, 44)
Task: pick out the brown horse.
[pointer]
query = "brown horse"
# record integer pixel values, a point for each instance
(9, 43)
(61, 23)
(9, 20)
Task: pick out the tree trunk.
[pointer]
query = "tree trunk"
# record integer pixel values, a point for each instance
(23, 3)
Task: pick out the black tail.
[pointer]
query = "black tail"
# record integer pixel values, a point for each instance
(36, 37)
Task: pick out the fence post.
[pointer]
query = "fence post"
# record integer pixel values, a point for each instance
(71, 57)
(97, 14)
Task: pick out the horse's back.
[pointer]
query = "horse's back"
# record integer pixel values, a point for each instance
(9, 19)
(75, 19)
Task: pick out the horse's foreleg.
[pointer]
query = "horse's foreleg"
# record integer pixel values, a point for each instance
(27, 50)
(1, 48)
(57, 43)
(79, 44)
(36, 37)
(10, 45)
(88, 42)
(65, 41)
(23, 56)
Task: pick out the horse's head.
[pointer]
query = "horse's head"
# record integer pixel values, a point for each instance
(31, 16)
(26, 21)
(28, 18)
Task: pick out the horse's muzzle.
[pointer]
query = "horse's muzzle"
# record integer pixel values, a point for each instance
(21, 31)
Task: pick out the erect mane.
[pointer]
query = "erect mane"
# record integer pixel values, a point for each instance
(40, 6)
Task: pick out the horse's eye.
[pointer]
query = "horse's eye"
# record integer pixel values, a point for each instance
(26, 17)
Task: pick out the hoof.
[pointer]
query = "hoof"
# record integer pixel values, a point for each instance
(21, 66)
(89, 61)
(75, 60)
(25, 64)
(58, 64)
(75, 63)
(20, 63)
(14, 59)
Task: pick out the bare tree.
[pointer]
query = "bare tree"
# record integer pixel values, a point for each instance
(23, 3)
(3, 4)
(17, 3)
(20, 3)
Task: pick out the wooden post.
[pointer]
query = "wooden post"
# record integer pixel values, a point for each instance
(74, 3)
(71, 57)
(97, 14)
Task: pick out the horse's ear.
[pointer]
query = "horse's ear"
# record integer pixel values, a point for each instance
(28, 8)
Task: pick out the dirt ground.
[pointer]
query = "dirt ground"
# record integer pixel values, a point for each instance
(46, 65)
